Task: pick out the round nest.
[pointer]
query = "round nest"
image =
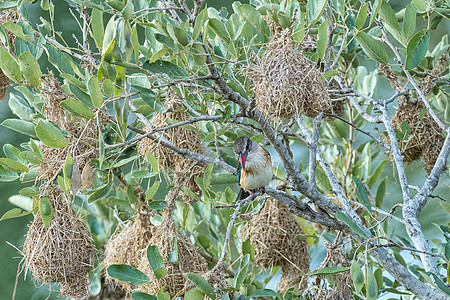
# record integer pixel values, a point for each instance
(291, 277)
(62, 252)
(216, 279)
(425, 138)
(395, 81)
(129, 245)
(188, 170)
(4, 82)
(286, 83)
(180, 137)
(82, 130)
(190, 260)
(272, 231)
(341, 283)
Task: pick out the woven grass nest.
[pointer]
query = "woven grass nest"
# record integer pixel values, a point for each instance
(425, 139)
(286, 84)
(128, 246)
(62, 252)
(79, 129)
(272, 231)
(190, 260)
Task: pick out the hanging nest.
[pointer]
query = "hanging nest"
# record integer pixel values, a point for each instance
(82, 130)
(272, 232)
(286, 83)
(341, 284)
(189, 258)
(397, 83)
(4, 82)
(128, 246)
(438, 70)
(62, 252)
(216, 279)
(425, 138)
(179, 136)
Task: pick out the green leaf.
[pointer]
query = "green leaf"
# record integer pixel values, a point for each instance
(219, 29)
(254, 17)
(12, 165)
(21, 126)
(81, 95)
(9, 65)
(30, 191)
(409, 21)
(31, 157)
(50, 135)
(178, 34)
(172, 70)
(109, 35)
(154, 257)
(329, 270)
(417, 48)
(201, 283)
(46, 210)
(372, 48)
(194, 294)
(315, 9)
(157, 204)
(128, 274)
(62, 61)
(143, 296)
(371, 285)
(421, 5)
(330, 74)
(7, 5)
(30, 68)
(150, 192)
(128, 10)
(153, 161)
(135, 43)
(160, 272)
(362, 16)
(14, 213)
(17, 30)
(241, 273)
(351, 224)
(24, 202)
(98, 30)
(199, 22)
(20, 107)
(95, 91)
(376, 173)
(163, 295)
(323, 39)
(264, 293)
(375, 9)
(357, 277)
(67, 172)
(78, 108)
(390, 22)
(362, 194)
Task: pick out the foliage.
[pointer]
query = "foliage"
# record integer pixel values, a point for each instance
(149, 81)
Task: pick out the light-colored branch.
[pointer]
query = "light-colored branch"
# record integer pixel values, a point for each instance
(313, 150)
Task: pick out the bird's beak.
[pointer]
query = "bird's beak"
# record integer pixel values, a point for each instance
(242, 159)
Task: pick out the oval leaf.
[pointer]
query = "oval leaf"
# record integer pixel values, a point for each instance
(95, 91)
(315, 9)
(12, 165)
(9, 65)
(417, 48)
(128, 274)
(154, 258)
(46, 210)
(351, 224)
(201, 283)
(78, 108)
(362, 194)
(372, 48)
(50, 135)
(30, 68)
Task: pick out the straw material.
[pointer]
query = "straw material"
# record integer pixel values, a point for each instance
(272, 232)
(62, 252)
(128, 246)
(286, 83)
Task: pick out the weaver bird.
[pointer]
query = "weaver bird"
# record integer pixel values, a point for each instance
(254, 169)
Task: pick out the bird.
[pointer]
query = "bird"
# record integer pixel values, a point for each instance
(254, 168)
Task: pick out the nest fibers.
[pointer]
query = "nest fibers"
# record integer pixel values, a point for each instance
(286, 83)
(84, 132)
(272, 232)
(129, 245)
(425, 138)
(62, 252)
(189, 258)
(179, 136)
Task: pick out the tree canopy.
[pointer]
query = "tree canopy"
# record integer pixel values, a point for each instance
(131, 123)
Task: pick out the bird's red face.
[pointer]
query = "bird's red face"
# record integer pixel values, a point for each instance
(243, 158)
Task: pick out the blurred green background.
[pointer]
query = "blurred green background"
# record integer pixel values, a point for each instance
(14, 230)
